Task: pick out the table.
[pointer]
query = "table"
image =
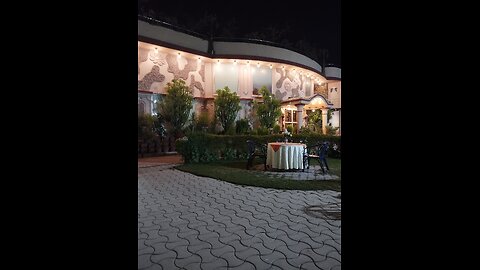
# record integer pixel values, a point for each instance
(285, 156)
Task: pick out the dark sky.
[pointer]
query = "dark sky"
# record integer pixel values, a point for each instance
(315, 21)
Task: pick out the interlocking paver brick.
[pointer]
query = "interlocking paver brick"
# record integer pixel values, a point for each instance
(258, 262)
(231, 259)
(298, 261)
(191, 222)
(218, 263)
(144, 261)
(206, 255)
(194, 258)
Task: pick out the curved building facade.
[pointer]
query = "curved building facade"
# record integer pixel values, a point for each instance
(299, 82)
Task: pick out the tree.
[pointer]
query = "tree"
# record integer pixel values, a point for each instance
(174, 109)
(226, 107)
(268, 111)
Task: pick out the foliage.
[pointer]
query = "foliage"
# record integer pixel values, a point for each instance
(200, 122)
(331, 130)
(304, 130)
(242, 126)
(315, 121)
(269, 111)
(146, 127)
(174, 108)
(227, 105)
(204, 147)
(290, 128)
(276, 129)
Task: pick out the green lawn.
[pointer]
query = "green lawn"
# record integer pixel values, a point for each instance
(235, 172)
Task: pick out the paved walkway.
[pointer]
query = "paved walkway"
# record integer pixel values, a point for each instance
(191, 222)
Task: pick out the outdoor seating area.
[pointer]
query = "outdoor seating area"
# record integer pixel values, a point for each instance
(285, 156)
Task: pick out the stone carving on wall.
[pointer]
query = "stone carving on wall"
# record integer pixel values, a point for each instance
(290, 84)
(196, 84)
(202, 71)
(280, 95)
(153, 76)
(321, 89)
(308, 91)
(142, 55)
(156, 58)
(175, 70)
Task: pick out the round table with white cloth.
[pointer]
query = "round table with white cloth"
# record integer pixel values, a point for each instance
(285, 156)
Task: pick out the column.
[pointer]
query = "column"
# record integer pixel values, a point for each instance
(324, 120)
(300, 116)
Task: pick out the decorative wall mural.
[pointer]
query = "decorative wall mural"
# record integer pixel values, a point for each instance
(175, 70)
(142, 55)
(281, 95)
(153, 76)
(290, 84)
(202, 71)
(308, 91)
(284, 75)
(156, 58)
(196, 84)
(320, 89)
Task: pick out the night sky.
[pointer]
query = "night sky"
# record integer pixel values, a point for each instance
(317, 22)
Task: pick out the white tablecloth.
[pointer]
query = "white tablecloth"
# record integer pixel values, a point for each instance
(285, 155)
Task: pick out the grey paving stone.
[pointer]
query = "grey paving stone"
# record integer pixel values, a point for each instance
(258, 262)
(282, 264)
(244, 266)
(216, 264)
(206, 255)
(231, 259)
(270, 258)
(244, 254)
(329, 263)
(287, 252)
(147, 250)
(299, 260)
(182, 262)
(217, 252)
(310, 266)
(167, 263)
(194, 215)
(182, 251)
(154, 267)
(199, 245)
(229, 238)
(144, 261)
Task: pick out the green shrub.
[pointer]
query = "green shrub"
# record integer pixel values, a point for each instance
(202, 122)
(146, 127)
(204, 147)
(242, 126)
(262, 131)
(331, 130)
(276, 129)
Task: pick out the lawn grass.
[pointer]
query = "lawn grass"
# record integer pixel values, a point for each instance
(235, 172)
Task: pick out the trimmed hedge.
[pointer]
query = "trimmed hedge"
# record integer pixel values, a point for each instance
(204, 147)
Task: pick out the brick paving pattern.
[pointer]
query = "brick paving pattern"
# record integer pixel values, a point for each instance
(191, 222)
